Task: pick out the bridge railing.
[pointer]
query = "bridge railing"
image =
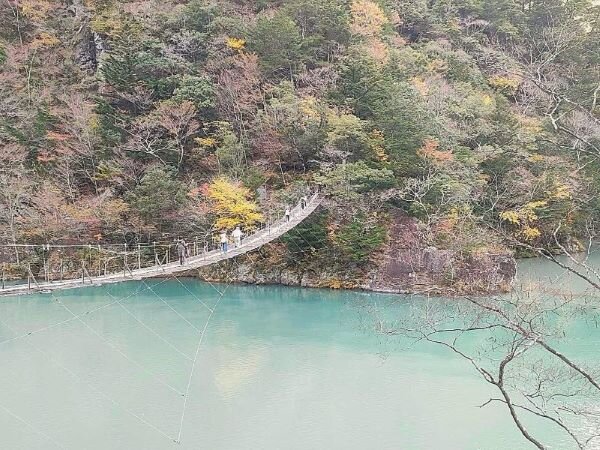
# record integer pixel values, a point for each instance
(33, 264)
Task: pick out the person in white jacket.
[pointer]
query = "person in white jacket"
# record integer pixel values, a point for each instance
(224, 241)
(237, 236)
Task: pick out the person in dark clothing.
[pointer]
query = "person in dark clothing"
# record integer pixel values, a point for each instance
(303, 202)
(182, 249)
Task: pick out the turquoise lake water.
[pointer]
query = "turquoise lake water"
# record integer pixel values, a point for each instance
(278, 368)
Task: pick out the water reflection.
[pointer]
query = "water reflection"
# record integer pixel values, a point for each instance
(279, 368)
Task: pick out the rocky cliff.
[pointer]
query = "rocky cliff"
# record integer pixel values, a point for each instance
(406, 264)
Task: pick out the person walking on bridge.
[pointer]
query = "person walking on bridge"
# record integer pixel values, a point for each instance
(288, 213)
(303, 202)
(182, 249)
(237, 236)
(224, 241)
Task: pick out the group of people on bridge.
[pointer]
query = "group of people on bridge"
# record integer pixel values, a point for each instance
(183, 250)
(236, 234)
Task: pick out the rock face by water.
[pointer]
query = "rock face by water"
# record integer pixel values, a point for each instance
(405, 265)
(409, 265)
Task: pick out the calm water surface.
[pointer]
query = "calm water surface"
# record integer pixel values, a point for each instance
(277, 368)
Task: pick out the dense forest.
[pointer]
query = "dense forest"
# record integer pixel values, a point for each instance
(141, 121)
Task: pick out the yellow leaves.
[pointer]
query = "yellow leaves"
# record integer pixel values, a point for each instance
(455, 215)
(511, 216)
(504, 84)
(113, 210)
(94, 122)
(45, 40)
(535, 218)
(107, 24)
(524, 214)
(487, 100)
(232, 205)
(454, 25)
(529, 132)
(562, 192)
(437, 66)
(309, 107)
(536, 204)
(114, 24)
(236, 44)
(368, 19)
(36, 10)
(107, 172)
(421, 86)
(377, 135)
(206, 142)
(535, 158)
(377, 139)
(530, 233)
(524, 218)
(531, 125)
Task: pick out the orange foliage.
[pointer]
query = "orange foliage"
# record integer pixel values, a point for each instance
(377, 50)
(430, 151)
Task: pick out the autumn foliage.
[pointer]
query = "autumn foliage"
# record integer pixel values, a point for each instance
(232, 205)
(110, 112)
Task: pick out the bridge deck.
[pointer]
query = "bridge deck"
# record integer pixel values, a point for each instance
(249, 243)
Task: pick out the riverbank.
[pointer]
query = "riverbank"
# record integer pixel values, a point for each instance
(414, 271)
(407, 263)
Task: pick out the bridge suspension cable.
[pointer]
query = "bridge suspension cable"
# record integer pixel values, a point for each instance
(201, 331)
(94, 274)
(35, 429)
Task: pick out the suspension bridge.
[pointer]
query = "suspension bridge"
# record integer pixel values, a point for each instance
(160, 266)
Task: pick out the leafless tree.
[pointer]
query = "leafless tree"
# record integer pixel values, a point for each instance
(510, 341)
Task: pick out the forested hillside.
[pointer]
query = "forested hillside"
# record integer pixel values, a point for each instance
(478, 120)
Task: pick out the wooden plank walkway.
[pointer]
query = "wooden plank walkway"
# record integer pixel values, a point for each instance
(251, 242)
